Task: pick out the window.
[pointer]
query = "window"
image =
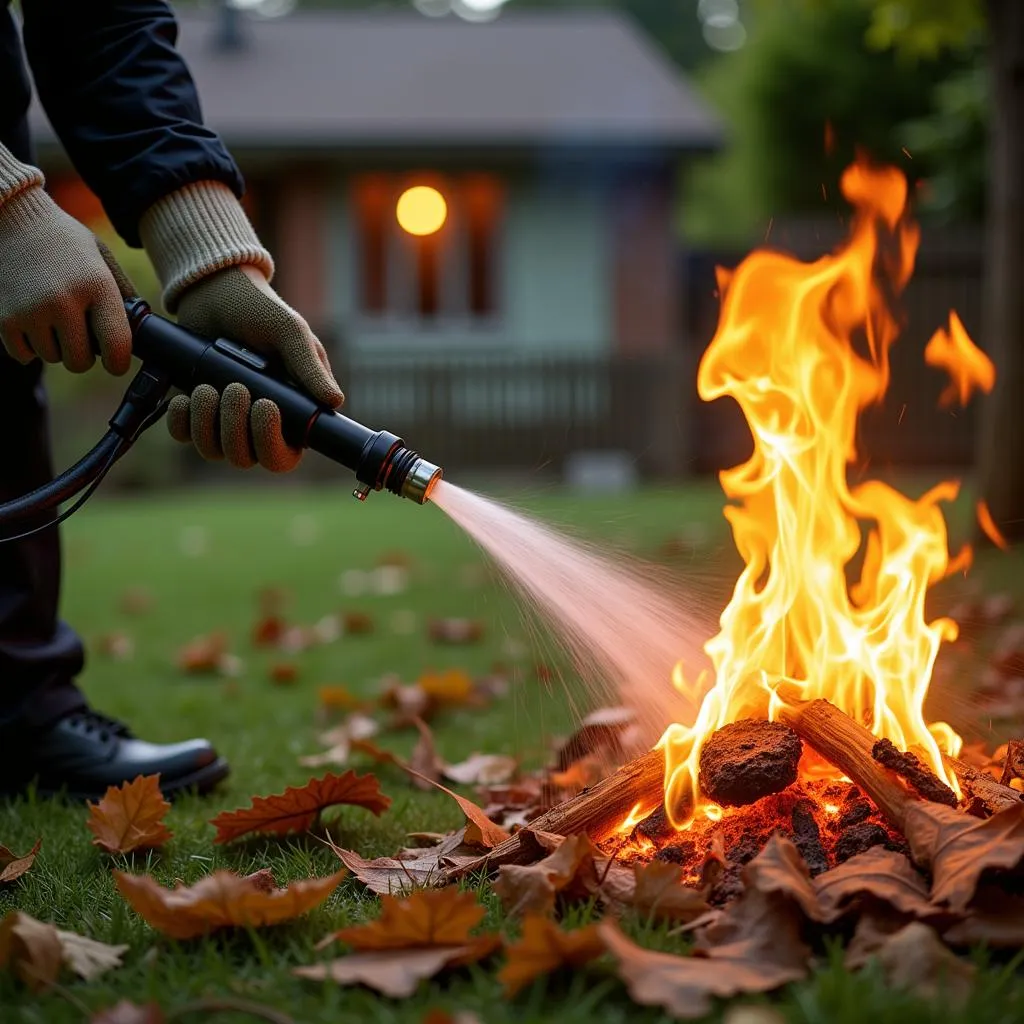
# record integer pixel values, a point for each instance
(426, 246)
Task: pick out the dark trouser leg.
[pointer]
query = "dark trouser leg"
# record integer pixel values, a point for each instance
(39, 655)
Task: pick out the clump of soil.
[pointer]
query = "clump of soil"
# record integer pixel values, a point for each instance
(748, 760)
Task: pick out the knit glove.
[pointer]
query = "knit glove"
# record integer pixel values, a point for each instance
(215, 275)
(58, 299)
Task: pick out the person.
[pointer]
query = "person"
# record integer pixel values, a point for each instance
(123, 104)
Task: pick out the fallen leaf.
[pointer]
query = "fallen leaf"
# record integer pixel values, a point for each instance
(684, 985)
(268, 630)
(398, 973)
(356, 623)
(532, 888)
(482, 770)
(441, 1017)
(30, 949)
(659, 893)
(126, 1012)
(409, 701)
(136, 601)
(412, 869)
(220, 900)
(439, 917)
(544, 948)
(579, 775)
(914, 958)
(454, 686)
(118, 646)
(203, 654)
(958, 848)
(1013, 764)
(263, 880)
(391, 950)
(87, 957)
(12, 866)
(335, 698)
(480, 830)
(455, 631)
(130, 817)
(779, 868)
(875, 876)
(426, 764)
(994, 918)
(601, 731)
(284, 673)
(298, 807)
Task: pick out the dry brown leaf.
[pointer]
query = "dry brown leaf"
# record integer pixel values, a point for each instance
(35, 951)
(397, 973)
(544, 948)
(337, 698)
(220, 900)
(126, 1012)
(427, 766)
(439, 917)
(87, 957)
(601, 732)
(136, 601)
(482, 770)
(876, 876)
(268, 630)
(117, 646)
(684, 985)
(532, 888)
(995, 918)
(1013, 764)
(341, 740)
(284, 673)
(357, 623)
(659, 893)
(957, 848)
(453, 686)
(391, 950)
(30, 949)
(299, 807)
(779, 868)
(480, 830)
(579, 775)
(412, 869)
(204, 654)
(454, 632)
(263, 880)
(130, 817)
(442, 1017)
(915, 958)
(12, 866)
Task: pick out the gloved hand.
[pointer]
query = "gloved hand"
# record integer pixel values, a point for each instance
(58, 298)
(216, 277)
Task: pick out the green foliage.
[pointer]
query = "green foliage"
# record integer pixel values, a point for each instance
(805, 66)
(925, 28)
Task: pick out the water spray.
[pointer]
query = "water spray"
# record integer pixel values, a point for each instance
(173, 357)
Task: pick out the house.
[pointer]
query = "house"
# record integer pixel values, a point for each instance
(441, 193)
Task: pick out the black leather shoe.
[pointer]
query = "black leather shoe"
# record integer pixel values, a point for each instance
(84, 752)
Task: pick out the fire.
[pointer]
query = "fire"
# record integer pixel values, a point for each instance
(803, 348)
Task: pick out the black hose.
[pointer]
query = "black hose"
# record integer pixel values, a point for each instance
(68, 484)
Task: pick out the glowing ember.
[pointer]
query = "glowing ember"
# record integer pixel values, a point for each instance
(803, 348)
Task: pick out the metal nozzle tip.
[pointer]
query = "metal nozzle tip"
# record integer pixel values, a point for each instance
(421, 479)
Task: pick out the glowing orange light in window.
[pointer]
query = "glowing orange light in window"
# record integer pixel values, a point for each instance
(421, 210)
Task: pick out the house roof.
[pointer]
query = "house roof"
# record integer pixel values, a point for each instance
(364, 78)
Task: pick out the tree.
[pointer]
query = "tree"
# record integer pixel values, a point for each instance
(925, 28)
(807, 64)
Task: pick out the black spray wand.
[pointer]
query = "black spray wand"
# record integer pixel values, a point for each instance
(174, 357)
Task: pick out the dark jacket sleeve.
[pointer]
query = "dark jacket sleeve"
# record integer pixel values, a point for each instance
(122, 102)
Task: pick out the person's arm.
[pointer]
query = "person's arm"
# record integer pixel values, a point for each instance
(123, 103)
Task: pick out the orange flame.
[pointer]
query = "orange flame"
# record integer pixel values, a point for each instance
(988, 526)
(967, 366)
(803, 348)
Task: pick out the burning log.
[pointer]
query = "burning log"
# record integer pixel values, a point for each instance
(747, 760)
(596, 811)
(981, 787)
(914, 772)
(848, 745)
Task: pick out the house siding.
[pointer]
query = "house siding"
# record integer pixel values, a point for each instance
(554, 296)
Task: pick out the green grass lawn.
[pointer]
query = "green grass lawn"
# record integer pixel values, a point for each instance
(303, 541)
